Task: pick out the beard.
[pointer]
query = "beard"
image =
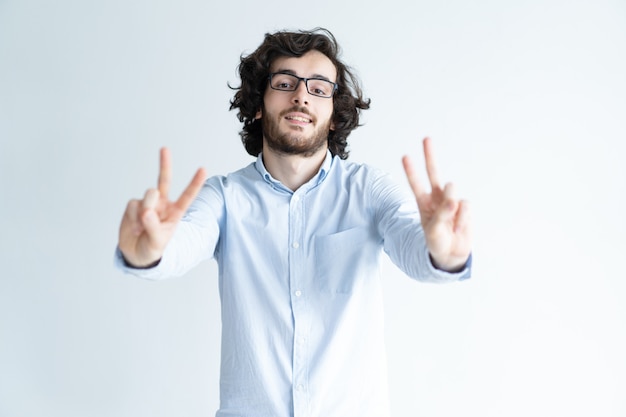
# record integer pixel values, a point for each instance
(292, 140)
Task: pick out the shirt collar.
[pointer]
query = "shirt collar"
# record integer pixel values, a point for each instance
(313, 182)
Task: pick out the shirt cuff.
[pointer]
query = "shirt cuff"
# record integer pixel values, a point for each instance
(443, 275)
(151, 272)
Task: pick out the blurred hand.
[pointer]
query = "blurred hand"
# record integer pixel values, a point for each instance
(148, 224)
(446, 220)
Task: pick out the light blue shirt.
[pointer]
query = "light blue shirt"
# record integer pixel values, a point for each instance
(300, 285)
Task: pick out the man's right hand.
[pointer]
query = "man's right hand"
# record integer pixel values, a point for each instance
(148, 224)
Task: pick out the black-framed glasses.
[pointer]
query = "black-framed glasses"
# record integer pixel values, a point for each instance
(315, 86)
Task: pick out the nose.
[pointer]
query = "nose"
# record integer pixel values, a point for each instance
(300, 95)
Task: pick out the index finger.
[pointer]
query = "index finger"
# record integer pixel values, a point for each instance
(165, 172)
(414, 182)
(431, 169)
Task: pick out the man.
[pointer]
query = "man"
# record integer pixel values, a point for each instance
(298, 237)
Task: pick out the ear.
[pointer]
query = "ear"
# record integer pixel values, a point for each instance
(259, 114)
(332, 125)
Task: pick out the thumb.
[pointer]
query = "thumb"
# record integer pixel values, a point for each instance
(150, 218)
(151, 221)
(446, 212)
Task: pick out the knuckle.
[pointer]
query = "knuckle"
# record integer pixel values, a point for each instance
(132, 206)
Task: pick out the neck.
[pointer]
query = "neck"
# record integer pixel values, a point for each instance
(293, 170)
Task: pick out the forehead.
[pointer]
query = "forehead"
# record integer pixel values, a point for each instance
(312, 64)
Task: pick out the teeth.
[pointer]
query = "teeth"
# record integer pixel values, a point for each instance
(299, 119)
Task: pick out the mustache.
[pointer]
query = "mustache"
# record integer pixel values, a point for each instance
(296, 109)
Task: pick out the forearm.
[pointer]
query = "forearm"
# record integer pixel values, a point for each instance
(189, 246)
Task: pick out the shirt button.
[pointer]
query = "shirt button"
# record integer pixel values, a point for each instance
(298, 293)
(296, 198)
(295, 245)
(300, 387)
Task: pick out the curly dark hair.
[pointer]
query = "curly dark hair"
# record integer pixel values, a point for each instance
(254, 71)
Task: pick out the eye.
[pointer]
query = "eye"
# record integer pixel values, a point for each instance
(321, 87)
(283, 82)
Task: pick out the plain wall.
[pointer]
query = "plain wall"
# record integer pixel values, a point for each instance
(525, 102)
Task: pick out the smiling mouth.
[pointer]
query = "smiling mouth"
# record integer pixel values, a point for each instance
(298, 119)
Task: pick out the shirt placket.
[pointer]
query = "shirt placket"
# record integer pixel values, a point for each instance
(297, 251)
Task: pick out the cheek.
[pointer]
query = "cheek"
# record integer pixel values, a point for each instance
(331, 113)
(272, 105)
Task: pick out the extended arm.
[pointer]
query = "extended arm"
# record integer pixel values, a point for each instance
(148, 224)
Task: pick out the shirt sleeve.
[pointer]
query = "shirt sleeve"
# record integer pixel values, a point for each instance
(195, 239)
(398, 221)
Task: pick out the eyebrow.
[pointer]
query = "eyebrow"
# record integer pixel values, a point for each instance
(292, 72)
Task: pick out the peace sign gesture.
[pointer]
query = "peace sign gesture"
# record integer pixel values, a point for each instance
(148, 224)
(445, 219)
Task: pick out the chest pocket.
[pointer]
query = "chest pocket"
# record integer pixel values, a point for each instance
(340, 260)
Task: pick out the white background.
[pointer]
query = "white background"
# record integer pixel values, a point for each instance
(525, 101)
